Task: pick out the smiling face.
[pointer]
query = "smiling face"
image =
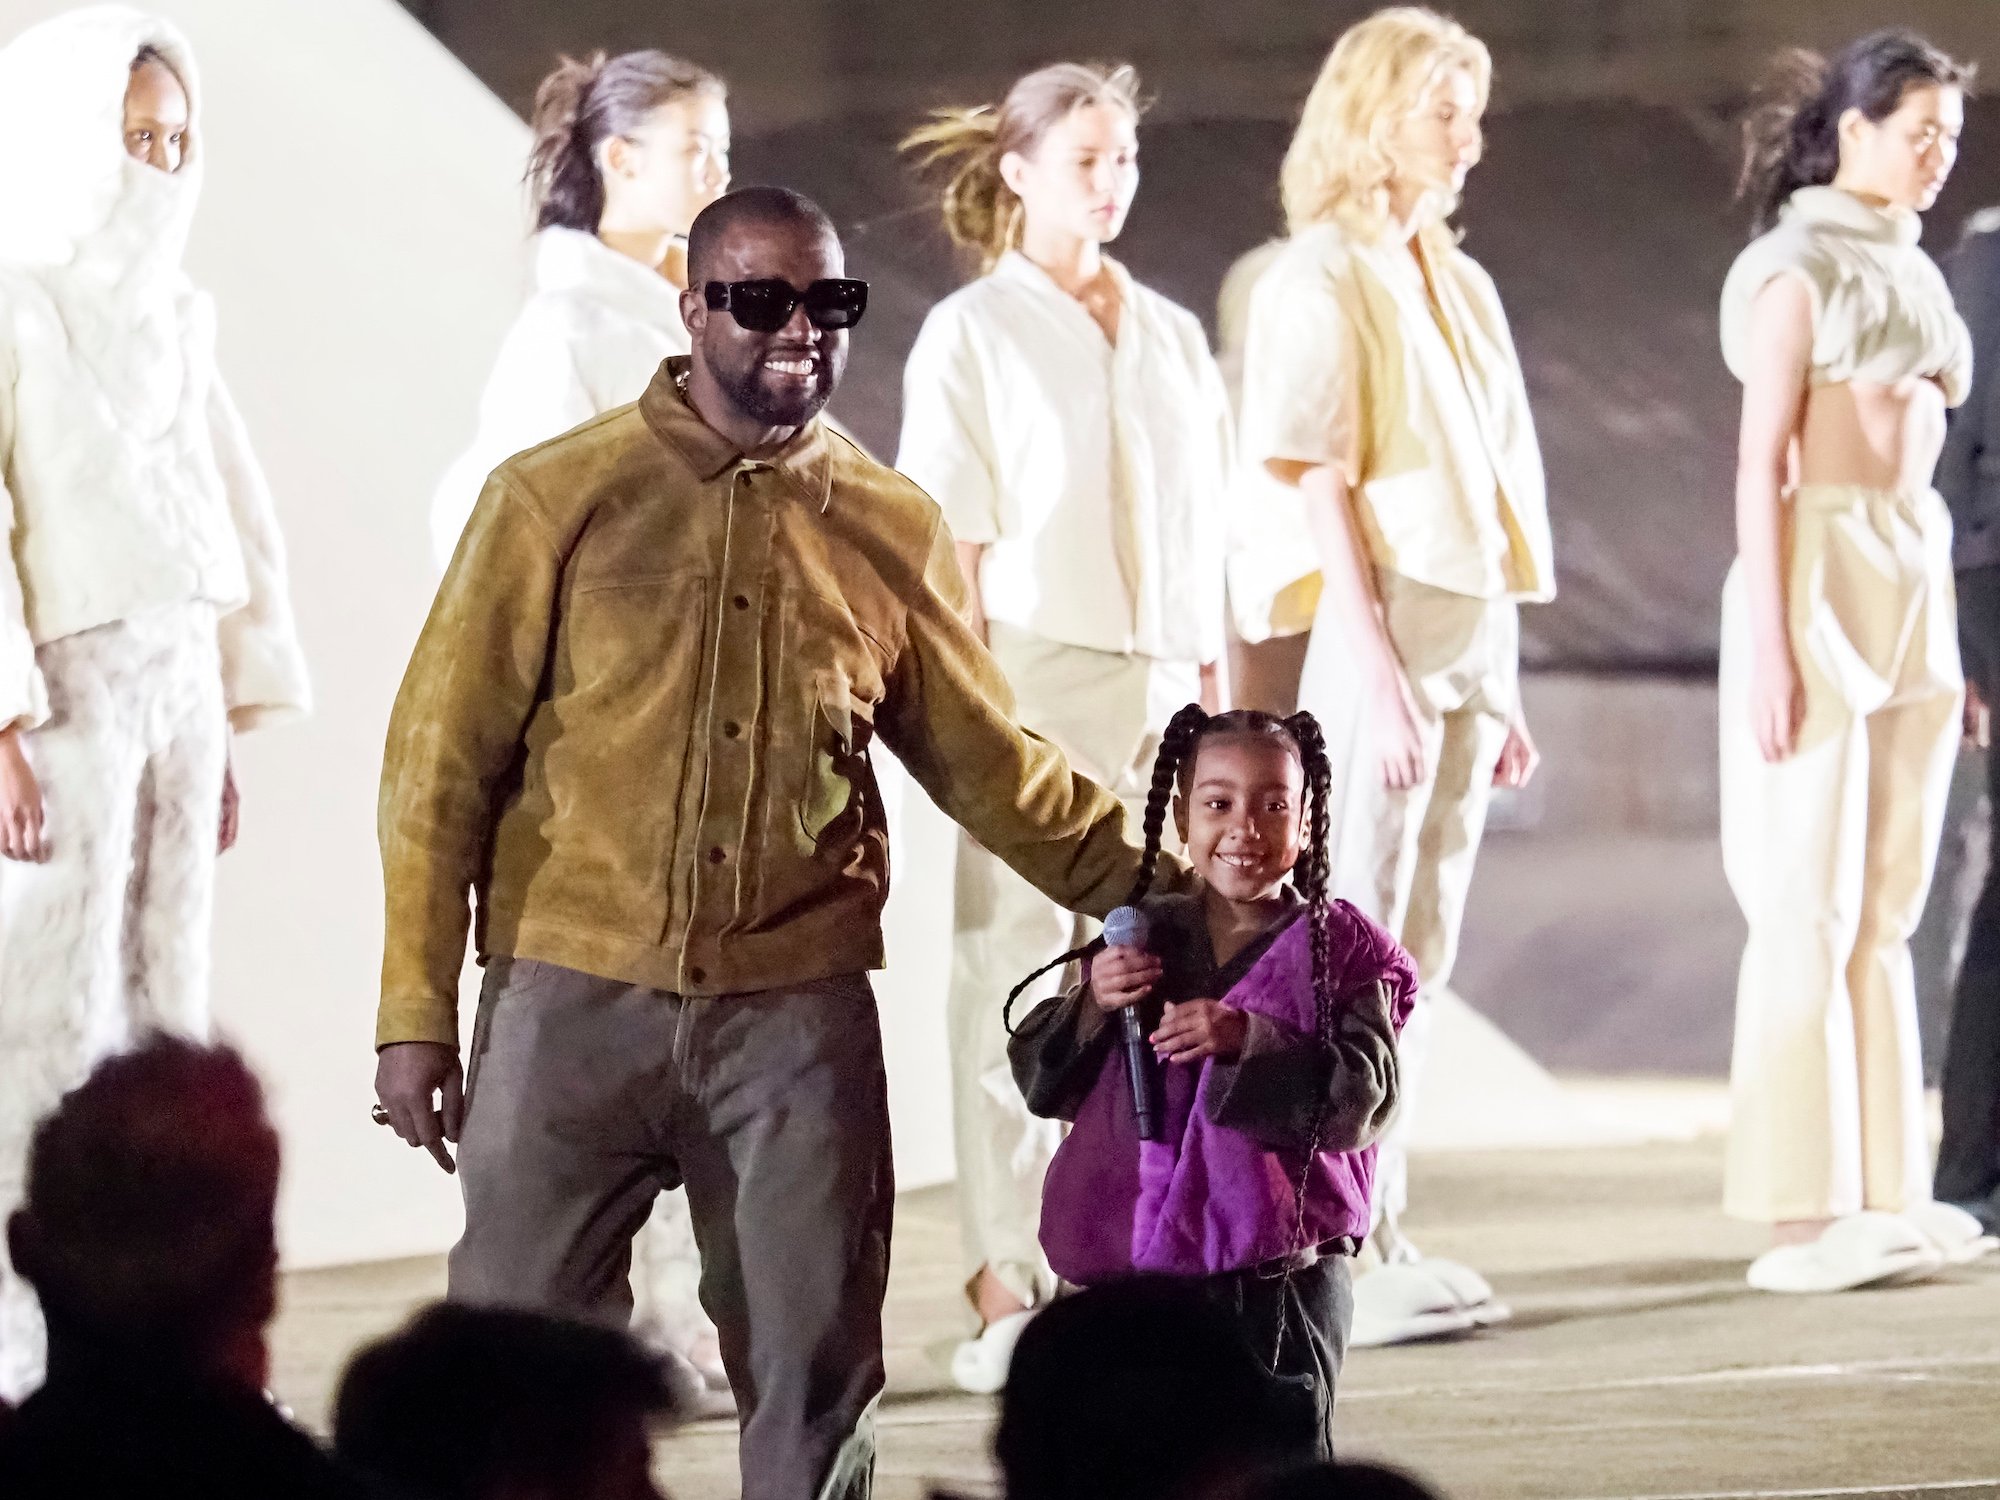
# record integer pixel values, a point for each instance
(1440, 141)
(1080, 177)
(1240, 812)
(156, 116)
(1904, 159)
(779, 379)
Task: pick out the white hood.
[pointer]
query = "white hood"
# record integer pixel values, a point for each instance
(73, 197)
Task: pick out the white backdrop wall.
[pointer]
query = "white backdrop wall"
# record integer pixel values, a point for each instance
(362, 233)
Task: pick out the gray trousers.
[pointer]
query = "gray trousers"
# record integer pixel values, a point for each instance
(585, 1097)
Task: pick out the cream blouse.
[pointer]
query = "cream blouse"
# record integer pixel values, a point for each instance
(1094, 473)
(1880, 307)
(1412, 388)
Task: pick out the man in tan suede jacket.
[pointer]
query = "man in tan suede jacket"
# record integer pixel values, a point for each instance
(637, 727)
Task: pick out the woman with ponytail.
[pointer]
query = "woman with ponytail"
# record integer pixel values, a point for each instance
(1383, 395)
(1840, 684)
(1272, 1011)
(1073, 425)
(627, 151)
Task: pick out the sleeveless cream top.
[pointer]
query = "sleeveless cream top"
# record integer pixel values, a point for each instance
(1881, 309)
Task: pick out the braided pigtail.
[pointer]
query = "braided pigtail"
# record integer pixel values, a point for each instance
(1182, 731)
(1311, 877)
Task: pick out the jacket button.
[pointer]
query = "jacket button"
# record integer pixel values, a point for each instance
(741, 601)
(731, 729)
(697, 976)
(717, 855)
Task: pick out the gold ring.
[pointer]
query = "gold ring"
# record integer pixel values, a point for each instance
(379, 1114)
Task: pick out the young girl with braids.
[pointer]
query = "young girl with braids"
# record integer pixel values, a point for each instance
(1272, 1012)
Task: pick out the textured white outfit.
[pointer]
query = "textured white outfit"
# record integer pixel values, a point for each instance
(1401, 374)
(1093, 473)
(588, 339)
(143, 608)
(1830, 851)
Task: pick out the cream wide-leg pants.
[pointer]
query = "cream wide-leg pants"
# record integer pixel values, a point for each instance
(1830, 853)
(1106, 712)
(110, 937)
(1406, 857)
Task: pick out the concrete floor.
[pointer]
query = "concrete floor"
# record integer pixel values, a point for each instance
(1638, 1364)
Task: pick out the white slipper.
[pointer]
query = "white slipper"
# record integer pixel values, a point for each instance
(1863, 1249)
(1956, 1234)
(1473, 1291)
(1401, 1304)
(979, 1365)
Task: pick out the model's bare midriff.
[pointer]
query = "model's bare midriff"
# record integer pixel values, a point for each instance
(1883, 437)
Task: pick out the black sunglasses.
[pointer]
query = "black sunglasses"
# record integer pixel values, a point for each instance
(766, 304)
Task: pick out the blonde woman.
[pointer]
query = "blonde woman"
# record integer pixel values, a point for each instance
(1841, 686)
(628, 150)
(1381, 383)
(1074, 428)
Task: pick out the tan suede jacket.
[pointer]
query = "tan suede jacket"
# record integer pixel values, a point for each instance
(637, 722)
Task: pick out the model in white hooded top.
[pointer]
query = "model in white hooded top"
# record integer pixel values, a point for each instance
(627, 151)
(143, 611)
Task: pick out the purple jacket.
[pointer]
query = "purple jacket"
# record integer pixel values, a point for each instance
(1207, 1198)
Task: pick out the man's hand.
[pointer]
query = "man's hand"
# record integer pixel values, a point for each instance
(408, 1078)
(1120, 977)
(1195, 1029)
(1978, 721)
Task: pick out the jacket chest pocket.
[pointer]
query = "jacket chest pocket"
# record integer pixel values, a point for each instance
(836, 781)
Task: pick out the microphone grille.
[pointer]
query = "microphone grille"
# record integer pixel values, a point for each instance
(1127, 927)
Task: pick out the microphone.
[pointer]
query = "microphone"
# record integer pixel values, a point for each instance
(1127, 927)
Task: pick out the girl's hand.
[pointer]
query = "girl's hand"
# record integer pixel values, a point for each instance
(1777, 704)
(1195, 1029)
(1518, 756)
(1399, 742)
(1120, 977)
(21, 822)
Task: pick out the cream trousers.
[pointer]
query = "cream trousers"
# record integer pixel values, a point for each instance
(1406, 857)
(1830, 852)
(1105, 712)
(110, 937)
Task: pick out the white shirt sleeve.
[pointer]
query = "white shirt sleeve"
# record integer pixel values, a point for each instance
(24, 699)
(1301, 398)
(535, 392)
(947, 441)
(264, 677)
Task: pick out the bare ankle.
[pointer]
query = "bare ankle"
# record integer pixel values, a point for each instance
(991, 1297)
(1798, 1231)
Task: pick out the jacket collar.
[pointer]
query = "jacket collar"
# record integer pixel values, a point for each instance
(1840, 209)
(805, 462)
